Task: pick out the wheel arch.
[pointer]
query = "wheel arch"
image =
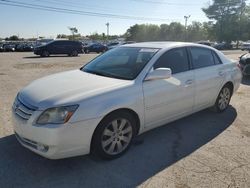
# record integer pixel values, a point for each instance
(230, 85)
(132, 112)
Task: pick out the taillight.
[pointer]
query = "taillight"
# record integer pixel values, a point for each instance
(239, 66)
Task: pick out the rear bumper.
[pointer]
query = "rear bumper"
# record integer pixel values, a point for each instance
(55, 142)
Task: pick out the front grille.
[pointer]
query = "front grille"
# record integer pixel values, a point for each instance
(23, 110)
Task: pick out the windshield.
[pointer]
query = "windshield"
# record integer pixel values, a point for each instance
(122, 63)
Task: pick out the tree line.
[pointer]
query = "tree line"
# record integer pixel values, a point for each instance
(229, 20)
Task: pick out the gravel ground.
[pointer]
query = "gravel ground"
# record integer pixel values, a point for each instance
(202, 150)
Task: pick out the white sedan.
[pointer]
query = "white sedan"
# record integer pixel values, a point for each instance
(131, 89)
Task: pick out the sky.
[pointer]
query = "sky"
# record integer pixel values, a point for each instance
(27, 23)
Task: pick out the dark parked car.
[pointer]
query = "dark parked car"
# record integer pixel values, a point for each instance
(9, 47)
(19, 47)
(207, 43)
(245, 64)
(71, 48)
(223, 46)
(24, 48)
(97, 47)
(113, 45)
(28, 48)
(1, 48)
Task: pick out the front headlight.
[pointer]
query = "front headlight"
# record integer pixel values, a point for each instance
(57, 115)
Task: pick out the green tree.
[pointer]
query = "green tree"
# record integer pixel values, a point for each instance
(12, 38)
(149, 32)
(227, 15)
(61, 36)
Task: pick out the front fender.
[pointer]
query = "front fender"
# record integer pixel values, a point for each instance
(99, 106)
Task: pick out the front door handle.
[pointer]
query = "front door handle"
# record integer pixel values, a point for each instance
(221, 73)
(188, 83)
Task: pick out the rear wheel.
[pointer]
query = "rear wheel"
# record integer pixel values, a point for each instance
(223, 99)
(114, 135)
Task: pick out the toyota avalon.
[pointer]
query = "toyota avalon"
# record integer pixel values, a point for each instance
(102, 106)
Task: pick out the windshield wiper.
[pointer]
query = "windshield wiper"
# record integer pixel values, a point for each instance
(94, 72)
(104, 74)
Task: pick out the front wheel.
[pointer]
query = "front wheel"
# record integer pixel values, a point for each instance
(114, 135)
(223, 99)
(45, 54)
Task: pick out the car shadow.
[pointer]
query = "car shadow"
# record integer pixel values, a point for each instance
(246, 80)
(151, 153)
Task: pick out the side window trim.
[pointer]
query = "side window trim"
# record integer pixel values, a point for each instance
(191, 67)
(187, 54)
(215, 55)
(190, 57)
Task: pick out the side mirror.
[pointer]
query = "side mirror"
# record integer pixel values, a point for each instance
(160, 73)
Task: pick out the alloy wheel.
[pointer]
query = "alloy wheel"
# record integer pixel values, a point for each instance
(117, 136)
(224, 98)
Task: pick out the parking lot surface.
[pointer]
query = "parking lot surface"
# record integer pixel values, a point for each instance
(203, 150)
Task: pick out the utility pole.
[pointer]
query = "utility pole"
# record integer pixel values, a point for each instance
(242, 9)
(107, 24)
(186, 20)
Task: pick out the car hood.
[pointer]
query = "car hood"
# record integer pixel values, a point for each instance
(67, 88)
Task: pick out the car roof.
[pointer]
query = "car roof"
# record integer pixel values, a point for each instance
(164, 45)
(65, 40)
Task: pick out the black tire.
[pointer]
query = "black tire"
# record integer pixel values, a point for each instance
(86, 51)
(45, 54)
(74, 53)
(223, 98)
(98, 140)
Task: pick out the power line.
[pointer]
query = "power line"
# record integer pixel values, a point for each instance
(96, 7)
(75, 5)
(165, 3)
(73, 11)
(180, 4)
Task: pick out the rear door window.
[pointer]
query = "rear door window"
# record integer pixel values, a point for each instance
(57, 43)
(175, 59)
(201, 57)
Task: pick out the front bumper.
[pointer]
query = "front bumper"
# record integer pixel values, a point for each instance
(37, 51)
(55, 141)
